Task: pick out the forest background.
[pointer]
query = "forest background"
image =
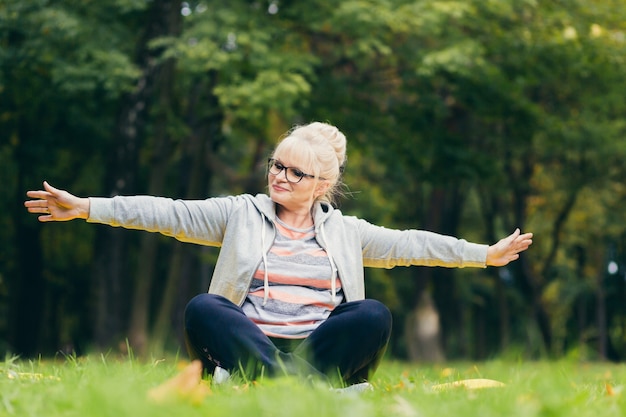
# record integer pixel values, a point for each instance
(468, 118)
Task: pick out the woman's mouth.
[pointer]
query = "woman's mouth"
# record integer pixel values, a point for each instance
(278, 188)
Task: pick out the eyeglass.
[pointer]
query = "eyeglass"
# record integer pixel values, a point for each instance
(293, 175)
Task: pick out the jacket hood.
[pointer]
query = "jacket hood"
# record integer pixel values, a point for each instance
(321, 210)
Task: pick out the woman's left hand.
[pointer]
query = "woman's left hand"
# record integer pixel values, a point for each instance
(508, 249)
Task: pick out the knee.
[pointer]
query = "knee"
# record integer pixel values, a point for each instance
(378, 310)
(375, 314)
(202, 305)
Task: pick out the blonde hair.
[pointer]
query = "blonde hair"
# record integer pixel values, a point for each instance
(322, 147)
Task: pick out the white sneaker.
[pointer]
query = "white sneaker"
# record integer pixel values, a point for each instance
(356, 388)
(220, 375)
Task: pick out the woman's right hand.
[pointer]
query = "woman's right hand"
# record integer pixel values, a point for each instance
(508, 248)
(56, 205)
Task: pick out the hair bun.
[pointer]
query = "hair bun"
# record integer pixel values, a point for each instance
(335, 138)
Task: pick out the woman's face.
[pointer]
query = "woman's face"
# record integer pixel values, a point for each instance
(286, 190)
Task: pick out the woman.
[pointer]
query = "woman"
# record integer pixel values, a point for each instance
(287, 294)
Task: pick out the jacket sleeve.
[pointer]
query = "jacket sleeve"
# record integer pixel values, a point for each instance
(387, 248)
(195, 221)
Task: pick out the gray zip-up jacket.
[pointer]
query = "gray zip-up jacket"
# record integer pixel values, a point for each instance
(243, 227)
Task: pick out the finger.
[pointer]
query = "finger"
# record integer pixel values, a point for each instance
(511, 238)
(524, 240)
(38, 206)
(50, 188)
(39, 209)
(524, 243)
(34, 203)
(38, 194)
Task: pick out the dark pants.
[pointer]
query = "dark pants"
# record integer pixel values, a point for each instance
(347, 347)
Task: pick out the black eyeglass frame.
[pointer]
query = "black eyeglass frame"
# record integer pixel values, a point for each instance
(297, 172)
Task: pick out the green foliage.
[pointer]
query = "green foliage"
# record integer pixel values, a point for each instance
(467, 118)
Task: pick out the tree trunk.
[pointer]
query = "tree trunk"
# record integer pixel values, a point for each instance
(111, 270)
(138, 332)
(112, 263)
(443, 214)
(423, 333)
(195, 177)
(503, 310)
(26, 310)
(531, 284)
(163, 321)
(601, 315)
(480, 332)
(146, 270)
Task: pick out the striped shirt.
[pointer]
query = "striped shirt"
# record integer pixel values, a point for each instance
(300, 297)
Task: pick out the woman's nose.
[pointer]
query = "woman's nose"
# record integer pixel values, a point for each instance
(283, 173)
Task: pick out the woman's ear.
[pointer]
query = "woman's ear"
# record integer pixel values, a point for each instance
(321, 188)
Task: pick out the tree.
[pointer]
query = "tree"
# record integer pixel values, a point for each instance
(46, 66)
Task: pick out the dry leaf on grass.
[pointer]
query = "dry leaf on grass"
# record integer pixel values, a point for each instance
(186, 386)
(478, 383)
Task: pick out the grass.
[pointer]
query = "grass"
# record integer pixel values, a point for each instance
(96, 386)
